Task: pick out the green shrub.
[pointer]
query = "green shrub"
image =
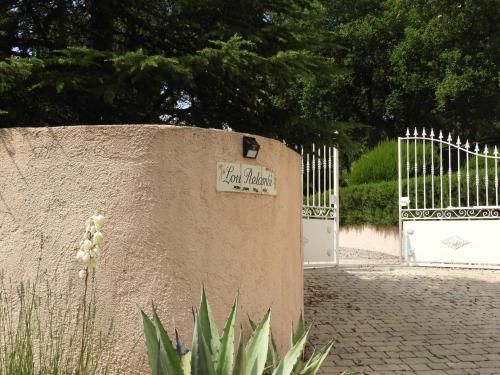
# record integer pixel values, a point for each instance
(377, 203)
(381, 163)
(212, 354)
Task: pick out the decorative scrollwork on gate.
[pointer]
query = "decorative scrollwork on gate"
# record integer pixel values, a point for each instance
(318, 212)
(450, 214)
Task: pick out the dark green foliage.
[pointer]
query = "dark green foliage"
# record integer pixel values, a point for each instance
(289, 69)
(188, 62)
(429, 63)
(377, 203)
(381, 163)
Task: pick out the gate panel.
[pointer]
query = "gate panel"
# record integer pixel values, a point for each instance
(320, 205)
(319, 241)
(453, 242)
(449, 211)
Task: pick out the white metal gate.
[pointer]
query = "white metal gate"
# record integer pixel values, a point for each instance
(449, 213)
(320, 208)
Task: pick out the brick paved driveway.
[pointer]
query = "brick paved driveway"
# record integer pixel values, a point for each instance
(406, 320)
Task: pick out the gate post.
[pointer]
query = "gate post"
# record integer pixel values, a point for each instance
(337, 202)
(400, 191)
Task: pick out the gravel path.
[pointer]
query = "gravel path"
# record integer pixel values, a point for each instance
(349, 256)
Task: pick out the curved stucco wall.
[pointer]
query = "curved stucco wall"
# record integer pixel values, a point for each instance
(168, 230)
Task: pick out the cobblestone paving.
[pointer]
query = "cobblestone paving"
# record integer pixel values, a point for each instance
(406, 320)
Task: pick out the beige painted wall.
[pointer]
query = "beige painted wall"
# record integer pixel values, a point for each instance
(168, 230)
(384, 239)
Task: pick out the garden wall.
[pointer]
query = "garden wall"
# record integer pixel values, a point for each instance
(384, 239)
(168, 230)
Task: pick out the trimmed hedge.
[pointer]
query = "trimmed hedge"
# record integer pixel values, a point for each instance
(377, 203)
(381, 163)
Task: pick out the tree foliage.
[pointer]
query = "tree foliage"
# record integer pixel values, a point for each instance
(192, 62)
(289, 69)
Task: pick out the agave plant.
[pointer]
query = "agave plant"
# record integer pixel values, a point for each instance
(212, 354)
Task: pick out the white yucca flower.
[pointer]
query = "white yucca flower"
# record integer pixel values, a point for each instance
(91, 244)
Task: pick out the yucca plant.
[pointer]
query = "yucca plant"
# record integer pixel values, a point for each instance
(212, 354)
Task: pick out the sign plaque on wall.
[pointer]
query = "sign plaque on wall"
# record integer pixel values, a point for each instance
(245, 178)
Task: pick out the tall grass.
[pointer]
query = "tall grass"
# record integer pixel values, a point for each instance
(41, 330)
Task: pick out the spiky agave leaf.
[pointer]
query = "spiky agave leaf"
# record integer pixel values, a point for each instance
(272, 359)
(240, 361)
(273, 355)
(298, 331)
(314, 363)
(286, 365)
(201, 358)
(208, 326)
(153, 346)
(226, 351)
(168, 356)
(180, 348)
(258, 346)
(186, 363)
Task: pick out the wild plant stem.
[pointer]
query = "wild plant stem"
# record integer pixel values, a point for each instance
(83, 318)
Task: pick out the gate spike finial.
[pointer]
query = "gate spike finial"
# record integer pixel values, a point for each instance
(458, 141)
(407, 132)
(415, 133)
(449, 137)
(313, 148)
(486, 152)
(423, 132)
(440, 135)
(476, 149)
(467, 145)
(432, 133)
(495, 151)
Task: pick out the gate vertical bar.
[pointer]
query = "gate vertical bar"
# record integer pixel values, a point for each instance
(486, 182)
(424, 172)
(449, 170)
(314, 177)
(467, 174)
(319, 176)
(325, 193)
(302, 172)
(458, 172)
(307, 178)
(495, 154)
(408, 163)
(400, 192)
(476, 150)
(441, 166)
(337, 202)
(432, 165)
(330, 176)
(415, 134)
